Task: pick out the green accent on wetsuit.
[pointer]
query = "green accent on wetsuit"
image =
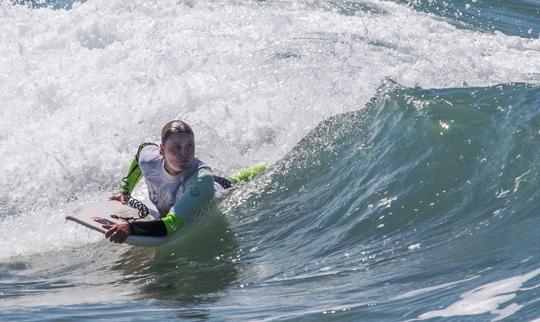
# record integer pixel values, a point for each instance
(246, 174)
(172, 222)
(134, 173)
(133, 176)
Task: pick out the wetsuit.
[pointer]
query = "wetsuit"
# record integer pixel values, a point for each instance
(175, 197)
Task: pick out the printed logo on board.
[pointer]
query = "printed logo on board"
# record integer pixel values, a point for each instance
(102, 221)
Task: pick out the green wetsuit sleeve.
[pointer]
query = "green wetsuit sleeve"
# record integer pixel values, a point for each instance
(133, 176)
(246, 174)
(134, 173)
(172, 222)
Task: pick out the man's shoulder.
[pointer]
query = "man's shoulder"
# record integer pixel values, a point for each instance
(203, 177)
(148, 152)
(201, 184)
(203, 169)
(205, 172)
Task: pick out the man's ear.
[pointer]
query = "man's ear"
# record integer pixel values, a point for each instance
(162, 149)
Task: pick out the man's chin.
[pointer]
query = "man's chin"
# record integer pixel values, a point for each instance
(183, 166)
(177, 168)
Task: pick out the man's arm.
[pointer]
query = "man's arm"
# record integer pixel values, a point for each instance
(195, 196)
(133, 176)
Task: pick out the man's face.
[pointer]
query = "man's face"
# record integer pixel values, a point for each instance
(179, 152)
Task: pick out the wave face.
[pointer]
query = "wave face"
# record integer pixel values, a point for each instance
(406, 203)
(404, 143)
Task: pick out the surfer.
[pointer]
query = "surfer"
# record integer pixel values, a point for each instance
(178, 183)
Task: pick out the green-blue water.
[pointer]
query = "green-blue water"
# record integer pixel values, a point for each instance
(402, 187)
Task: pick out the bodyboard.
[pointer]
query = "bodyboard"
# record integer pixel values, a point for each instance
(94, 215)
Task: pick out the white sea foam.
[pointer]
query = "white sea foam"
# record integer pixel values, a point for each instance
(491, 298)
(80, 89)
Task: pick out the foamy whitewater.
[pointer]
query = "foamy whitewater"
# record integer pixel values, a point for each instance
(403, 139)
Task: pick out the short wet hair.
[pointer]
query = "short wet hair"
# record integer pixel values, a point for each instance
(175, 126)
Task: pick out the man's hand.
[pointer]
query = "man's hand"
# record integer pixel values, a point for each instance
(120, 197)
(117, 233)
